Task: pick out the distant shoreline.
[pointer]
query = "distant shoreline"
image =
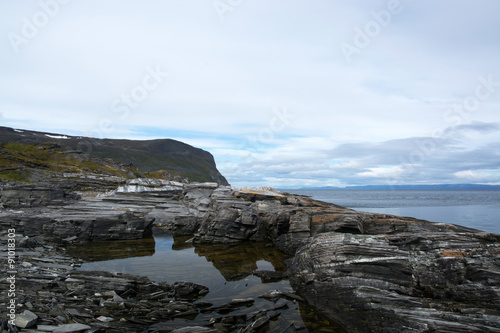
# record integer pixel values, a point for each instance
(402, 187)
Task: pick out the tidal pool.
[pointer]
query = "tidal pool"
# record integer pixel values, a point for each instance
(229, 271)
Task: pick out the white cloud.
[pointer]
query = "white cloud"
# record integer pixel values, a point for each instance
(385, 173)
(478, 175)
(355, 122)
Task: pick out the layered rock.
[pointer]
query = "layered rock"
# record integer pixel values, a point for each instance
(405, 282)
(28, 196)
(370, 272)
(54, 213)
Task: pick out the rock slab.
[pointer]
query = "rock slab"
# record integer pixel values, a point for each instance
(427, 282)
(25, 319)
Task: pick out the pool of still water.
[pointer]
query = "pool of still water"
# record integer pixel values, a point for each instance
(227, 270)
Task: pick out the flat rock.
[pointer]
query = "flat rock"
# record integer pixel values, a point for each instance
(25, 319)
(46, 328)
(195, 329)
(241, 301)
(68, 328)
(189, 290)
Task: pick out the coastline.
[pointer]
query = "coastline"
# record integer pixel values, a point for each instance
(383, 260)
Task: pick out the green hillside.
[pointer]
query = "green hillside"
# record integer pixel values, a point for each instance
(29, 156)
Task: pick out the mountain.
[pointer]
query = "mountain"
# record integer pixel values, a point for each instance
(162, 158)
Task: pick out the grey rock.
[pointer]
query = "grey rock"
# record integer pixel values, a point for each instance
(241, 302)
(189, 290)
(25, 319)
(26, 196)
(89, 219)
(69, 328)
(369, 272)
(424, 282)
(46, 328)
(195, 329)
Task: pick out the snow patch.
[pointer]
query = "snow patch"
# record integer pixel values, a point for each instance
(57, 136)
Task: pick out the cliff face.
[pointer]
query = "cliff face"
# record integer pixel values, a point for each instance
(163, 158)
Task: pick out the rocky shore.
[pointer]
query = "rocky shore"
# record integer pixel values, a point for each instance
(368, 272)
(52, 296)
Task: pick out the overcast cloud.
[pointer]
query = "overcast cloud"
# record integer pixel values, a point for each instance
(282, 93)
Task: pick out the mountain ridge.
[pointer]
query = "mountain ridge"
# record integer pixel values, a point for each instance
(173, 159)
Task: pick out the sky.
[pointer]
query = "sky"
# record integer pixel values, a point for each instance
(282, 93)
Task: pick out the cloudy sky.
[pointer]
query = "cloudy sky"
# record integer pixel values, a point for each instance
(282, 93)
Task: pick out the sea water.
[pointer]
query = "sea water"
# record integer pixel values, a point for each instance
(478, 209)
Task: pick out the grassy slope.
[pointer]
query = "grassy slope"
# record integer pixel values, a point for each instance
(162, 158)
(26, 163)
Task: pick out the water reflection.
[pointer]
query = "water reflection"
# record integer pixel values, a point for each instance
(230, 271)
(237, 261)
(106, 250)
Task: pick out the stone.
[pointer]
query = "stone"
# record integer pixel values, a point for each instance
(117, 298)
(46, 328)
(26, 319)
(69, 328)
(189, 290)
(261, 320)
(195, 329)
(272, 294)
(241, 302)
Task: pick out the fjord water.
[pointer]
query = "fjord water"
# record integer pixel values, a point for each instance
(478, 209)
(230, 271)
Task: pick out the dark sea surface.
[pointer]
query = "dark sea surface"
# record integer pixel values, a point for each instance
(478, 209)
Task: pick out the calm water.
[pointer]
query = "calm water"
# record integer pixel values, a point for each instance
(227, 270)
(471, 208)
